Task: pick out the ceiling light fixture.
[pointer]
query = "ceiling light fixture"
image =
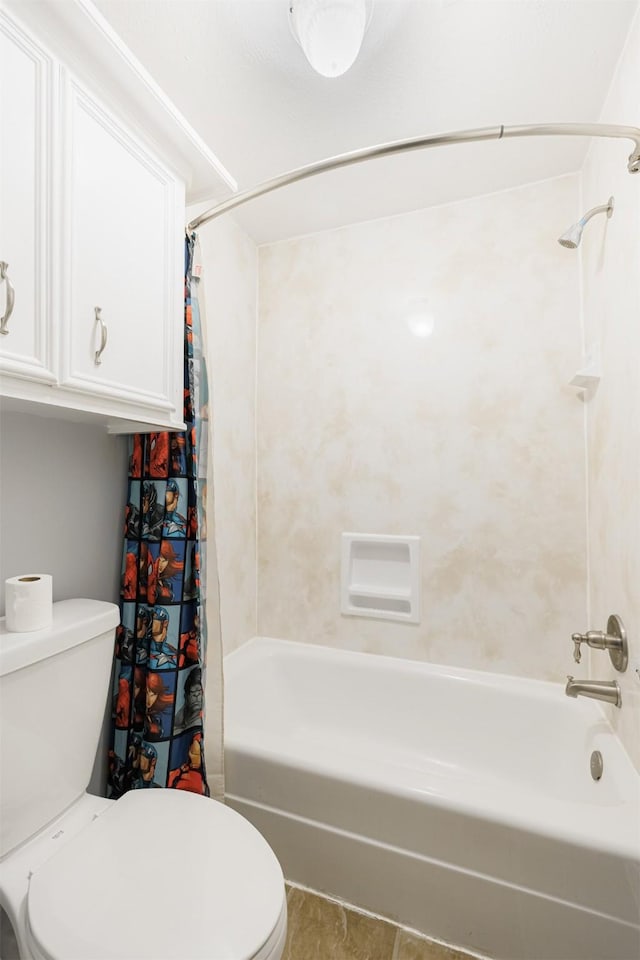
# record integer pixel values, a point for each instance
(330, 32)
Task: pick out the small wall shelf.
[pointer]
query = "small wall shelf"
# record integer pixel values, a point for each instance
(380, 577)
(588, 377)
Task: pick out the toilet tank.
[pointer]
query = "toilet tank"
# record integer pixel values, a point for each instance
(54, 685)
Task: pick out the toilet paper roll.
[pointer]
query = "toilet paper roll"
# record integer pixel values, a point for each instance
(28, 602)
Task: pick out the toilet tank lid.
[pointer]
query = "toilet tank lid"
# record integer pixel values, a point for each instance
(74, 622)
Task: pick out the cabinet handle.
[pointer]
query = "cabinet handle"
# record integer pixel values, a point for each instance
(11, 298)
(103, 336)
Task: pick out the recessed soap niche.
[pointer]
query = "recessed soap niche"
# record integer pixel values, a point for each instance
(380, 577)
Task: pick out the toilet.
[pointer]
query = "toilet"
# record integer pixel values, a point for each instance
(154, 875)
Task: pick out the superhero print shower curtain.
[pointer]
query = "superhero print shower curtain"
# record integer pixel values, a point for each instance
(158, 709)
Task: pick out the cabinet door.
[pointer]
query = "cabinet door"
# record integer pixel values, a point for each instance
(26, 82)
(122, 327)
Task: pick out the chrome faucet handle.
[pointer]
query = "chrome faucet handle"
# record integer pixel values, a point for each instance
(614, 640)
(577, 638)
(593, 638)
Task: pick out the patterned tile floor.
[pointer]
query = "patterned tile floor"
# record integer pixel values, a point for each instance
(320, 929)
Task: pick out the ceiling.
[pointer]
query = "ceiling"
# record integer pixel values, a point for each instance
(234, 70)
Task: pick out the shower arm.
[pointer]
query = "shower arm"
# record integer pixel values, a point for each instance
(420, 143)
(603, 208)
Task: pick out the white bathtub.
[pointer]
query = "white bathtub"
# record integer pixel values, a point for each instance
(455, 802)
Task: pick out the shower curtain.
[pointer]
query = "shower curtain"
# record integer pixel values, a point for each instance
(162, 643)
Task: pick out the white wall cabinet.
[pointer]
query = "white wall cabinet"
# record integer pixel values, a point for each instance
(92, 229)
(123, 214)
(27, 84)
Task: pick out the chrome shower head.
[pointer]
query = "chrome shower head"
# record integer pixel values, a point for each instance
(571, 239)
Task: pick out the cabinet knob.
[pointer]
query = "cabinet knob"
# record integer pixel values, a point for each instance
(103, 336)
(11, 298)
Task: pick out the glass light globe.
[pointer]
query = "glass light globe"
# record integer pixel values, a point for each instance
(330, 32)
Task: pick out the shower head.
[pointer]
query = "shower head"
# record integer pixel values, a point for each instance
(571, 239)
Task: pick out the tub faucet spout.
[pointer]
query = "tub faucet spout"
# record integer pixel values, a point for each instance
(607, 690)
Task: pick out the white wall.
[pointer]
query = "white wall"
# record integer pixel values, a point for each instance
(470, 438)
(63, 489)
(611, 259)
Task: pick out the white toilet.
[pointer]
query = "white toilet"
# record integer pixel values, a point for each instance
(155, 875)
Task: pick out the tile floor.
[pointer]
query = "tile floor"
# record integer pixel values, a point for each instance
(320, 929)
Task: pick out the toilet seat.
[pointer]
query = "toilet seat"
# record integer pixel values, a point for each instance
(160, 875)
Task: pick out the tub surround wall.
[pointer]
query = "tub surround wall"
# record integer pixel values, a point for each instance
(364, 427)
(230, 290)
(611, 278)
(469, 438)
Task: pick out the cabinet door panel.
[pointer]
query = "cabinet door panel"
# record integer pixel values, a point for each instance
(121, 212)
(26, 81)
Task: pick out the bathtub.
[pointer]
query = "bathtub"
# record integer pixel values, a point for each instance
(455, 802)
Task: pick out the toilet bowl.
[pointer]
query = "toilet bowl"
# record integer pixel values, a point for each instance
(154, 875)
(120, 881)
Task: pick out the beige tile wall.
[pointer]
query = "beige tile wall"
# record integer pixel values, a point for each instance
(469, 438)
(230, 278)
(611, 258)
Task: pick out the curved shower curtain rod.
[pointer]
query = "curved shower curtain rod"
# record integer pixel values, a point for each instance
(419, 143)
